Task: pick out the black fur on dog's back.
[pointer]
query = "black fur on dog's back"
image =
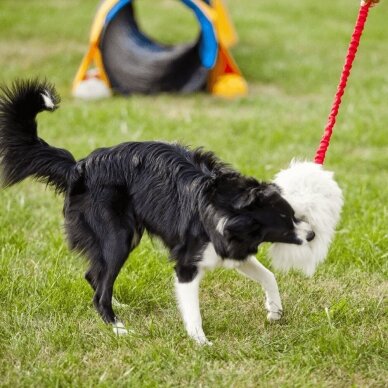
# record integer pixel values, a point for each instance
(166, 185)
(22, 152)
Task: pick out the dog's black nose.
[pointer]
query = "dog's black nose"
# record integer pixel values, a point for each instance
(310, 236)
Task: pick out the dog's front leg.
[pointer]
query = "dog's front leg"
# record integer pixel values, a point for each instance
(187, 293)
(254, 270)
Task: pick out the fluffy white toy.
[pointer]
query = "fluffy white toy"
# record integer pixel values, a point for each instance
(92, 89)
(316, 199)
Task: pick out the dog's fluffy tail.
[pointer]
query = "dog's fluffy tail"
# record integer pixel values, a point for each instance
(22, 152)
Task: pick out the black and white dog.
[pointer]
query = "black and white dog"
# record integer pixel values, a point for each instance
(206, 213)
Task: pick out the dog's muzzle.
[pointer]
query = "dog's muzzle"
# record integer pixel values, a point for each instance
(310, 236)
(304, 232)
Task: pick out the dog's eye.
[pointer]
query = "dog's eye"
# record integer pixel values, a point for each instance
(283, 216)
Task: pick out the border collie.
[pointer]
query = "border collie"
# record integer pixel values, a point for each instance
(206, 213)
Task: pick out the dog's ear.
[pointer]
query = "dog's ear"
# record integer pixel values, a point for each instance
(247, 198)
(259, 195)
(270, 194)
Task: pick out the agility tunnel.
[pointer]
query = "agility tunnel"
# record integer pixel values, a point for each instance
(122, 59)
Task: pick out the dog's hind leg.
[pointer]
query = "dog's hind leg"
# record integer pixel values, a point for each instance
(116, 247)
(254, 270)
(92, 275)
(104, 228)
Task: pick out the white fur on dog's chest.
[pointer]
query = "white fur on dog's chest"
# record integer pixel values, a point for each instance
(211, 260)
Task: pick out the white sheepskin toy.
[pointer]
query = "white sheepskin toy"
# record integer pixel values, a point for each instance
(92, 87)
(317, 200)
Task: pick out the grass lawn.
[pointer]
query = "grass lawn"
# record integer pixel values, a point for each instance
(334, 331)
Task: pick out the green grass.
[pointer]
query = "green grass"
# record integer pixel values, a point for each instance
(335, 325)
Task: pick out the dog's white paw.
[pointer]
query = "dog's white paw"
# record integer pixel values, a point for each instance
(274, 315)
(199, 336)
(119, 328)
(202, 341)
(275, 311)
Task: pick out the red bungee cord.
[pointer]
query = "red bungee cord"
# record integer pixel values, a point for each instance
(352, 50)
(310, 190)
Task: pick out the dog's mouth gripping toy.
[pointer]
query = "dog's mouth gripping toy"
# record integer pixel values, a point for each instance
(311, 190)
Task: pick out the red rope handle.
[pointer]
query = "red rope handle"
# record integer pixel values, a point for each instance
(353, 46)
